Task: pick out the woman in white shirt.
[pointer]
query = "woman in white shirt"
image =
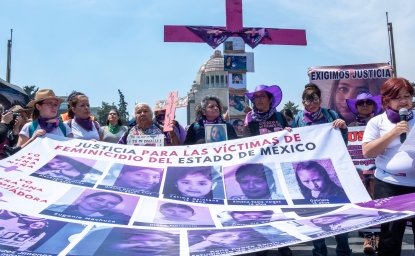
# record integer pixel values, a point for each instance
(382, 140)
(83, 127)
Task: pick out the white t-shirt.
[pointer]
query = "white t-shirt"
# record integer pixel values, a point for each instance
(386, 170)
(81, 133)
(56, 131)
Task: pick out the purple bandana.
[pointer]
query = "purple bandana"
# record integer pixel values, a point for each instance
(394, 117)
(84, 123)
(218, 120)
(313, 117)
(48, 124)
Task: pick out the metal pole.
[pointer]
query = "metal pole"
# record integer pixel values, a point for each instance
(9, 56)
(391, 45)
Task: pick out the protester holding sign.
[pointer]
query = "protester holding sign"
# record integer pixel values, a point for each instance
(209, 111)
(45, 118)
(382, 139)
(144, 125)
(314, 114)
(178, 130)
(364, 107)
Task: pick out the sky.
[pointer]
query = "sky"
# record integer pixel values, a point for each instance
(100, 46)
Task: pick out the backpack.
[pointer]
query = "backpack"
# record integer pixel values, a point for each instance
(35, 123)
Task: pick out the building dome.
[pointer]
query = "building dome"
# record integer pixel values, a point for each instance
(215, 63)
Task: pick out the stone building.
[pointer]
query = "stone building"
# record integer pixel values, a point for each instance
(211, 79)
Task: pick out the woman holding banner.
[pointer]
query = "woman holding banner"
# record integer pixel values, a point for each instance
(314, 114)
(382, 139)
(45, 118)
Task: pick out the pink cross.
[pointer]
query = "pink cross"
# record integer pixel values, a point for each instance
(234, 27)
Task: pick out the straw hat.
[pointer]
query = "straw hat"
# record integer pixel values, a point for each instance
(43, 94)
(19, 109)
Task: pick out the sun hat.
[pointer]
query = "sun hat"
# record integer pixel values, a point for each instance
(19, 109)
(351, 103)
(274, 90)
(43, 94)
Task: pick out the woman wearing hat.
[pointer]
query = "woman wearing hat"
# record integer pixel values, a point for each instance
(45, 118)
(365, 106)
(264, 118)
(314, 114)
(209, 111)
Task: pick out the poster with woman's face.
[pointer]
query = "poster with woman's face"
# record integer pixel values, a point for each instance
(20, 232)
(94, 205)
(139, 180)
(215, 133)
(72, 170)
(313, 182)
(338, 83)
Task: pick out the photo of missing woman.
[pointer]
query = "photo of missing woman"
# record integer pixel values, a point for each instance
(138, 180)
(313, 182)
(94, 205)
(20, 232)
(73, 170)
(215, 133)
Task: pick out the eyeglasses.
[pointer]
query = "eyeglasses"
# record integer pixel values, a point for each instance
(365, 102)
(51, 104)
(309, 101)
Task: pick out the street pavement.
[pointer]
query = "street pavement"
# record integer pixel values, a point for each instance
(355, 242)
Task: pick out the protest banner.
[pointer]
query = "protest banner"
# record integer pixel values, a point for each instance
(184, 200)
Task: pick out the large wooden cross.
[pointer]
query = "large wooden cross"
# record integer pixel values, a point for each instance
(234, 27)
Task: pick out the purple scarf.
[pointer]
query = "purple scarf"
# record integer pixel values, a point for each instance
(218, 120)
(48, 124)
(84, 123)
(394, 117)
(261, 116)
(312, 117)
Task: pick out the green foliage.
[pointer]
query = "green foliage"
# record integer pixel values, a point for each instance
(122, 108)
(291, 106)
(30, 90)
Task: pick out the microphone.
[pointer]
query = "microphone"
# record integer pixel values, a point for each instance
(403, 114)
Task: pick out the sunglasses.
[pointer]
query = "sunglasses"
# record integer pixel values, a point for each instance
(363, 102)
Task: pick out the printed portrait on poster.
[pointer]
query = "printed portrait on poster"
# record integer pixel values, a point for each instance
(215, 133)
(20, 232)
(238, 125)
(338, 83)
(235, 63)
(201, 184)
(72, 170)
(237, 102)
(105, 241)
(237, 80)
(139, 180)
(313, 182)
(94, 205)
(252, 183)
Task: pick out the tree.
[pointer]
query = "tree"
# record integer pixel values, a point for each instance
(103, 112)
(122, 108)
(30, 90)
(291, 106)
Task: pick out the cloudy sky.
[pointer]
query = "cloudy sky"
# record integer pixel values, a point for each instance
(99, 46)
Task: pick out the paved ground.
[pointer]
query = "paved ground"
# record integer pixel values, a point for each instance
(356, 244)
